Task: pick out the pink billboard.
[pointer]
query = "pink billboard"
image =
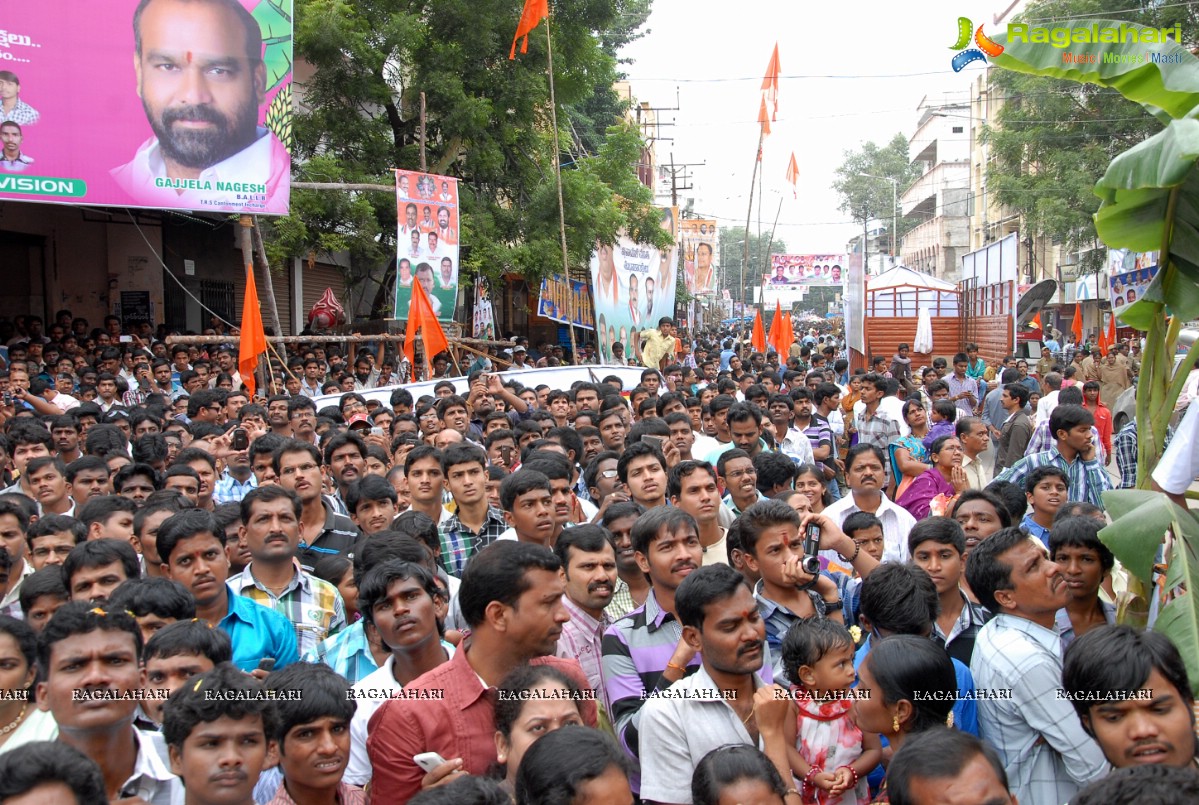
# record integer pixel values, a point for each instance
(161, 104)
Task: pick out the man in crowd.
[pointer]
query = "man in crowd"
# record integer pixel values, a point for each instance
(1074, 453)
(865, 476)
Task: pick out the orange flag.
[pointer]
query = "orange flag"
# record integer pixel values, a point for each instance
(534, 12)
(776, 328)
(770, 84)
(790, 330)
(253, 337)
(1102, 340)
(421, 317)
(1076, 327)
(1036, 322)
(764, 117)
(1111, 332)
(758, 340)
(793, 175)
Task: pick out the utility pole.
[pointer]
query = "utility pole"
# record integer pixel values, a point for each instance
(677, 183)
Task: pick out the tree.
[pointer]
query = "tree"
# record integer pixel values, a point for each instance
(1051, 141)
(864, 197)
(488, 124)
(732, 239)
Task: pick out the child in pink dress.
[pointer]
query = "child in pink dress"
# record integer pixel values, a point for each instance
(825, 748)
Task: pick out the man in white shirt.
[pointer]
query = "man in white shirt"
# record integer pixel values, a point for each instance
(865, 476)
(1047, 754)
(973, 434)
(1179, 465)
(1053, 386)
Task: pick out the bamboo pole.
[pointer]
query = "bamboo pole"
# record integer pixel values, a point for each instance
(549, 59)
(260, 252)
(200, 340)
(748, 215)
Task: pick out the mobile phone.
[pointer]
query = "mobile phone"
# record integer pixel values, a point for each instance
(241, 440)
(429, 761)
(658, 440)
(266, 664)
(126, 339)
(376, 431)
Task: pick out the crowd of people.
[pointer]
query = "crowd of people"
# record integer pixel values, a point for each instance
(751, 578)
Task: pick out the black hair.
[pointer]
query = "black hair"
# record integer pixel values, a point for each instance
(1041, 473)
(1001, 511)
(682, 470)
(1018, 392)
(47, 581)
(670, 518)
(937, 754)
(97, 553)
(420, 527)
(268, 494)
(1069, 417)
(730, 764)
(25, 638)
(462, 453)
(861, 449)
(591, 472)
(381, 547)
(727, 456)
(1080, 532)
(1109, 662)
(1014, 499)
(371, 487)
(587, 538)
(810, 639)
(762, 515)
(292, 446)
(941, 530)
(900, 598)
(518, 682)
(82, 617)
(774, 469)
(374, 584)
(39, 763)
(1072, 395)
(321, 693)
(190, 455)
(860, 521)
(500, 572)
(184, 525)
(341, 439)
(85, 463)
(556, 766)
(817, 473)
(99, 509)
(191, 636)
(618, 511)
(703, 586)
(638, 450)
(520, 483)
(1152, 783)
(554, 466)
(1080, 508)
(464, 789)
(148, 595)
(129, 471)
(986, 572)
(54, 524)
(917, 669)
(224, 691)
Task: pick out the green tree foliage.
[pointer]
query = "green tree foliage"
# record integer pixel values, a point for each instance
(865, 198)
(1051, 141)
(488, 123)
(731, 254)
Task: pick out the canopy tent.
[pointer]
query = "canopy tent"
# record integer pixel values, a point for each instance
(901, 291)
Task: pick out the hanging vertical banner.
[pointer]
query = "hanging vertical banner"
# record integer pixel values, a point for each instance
(164, 105)
(699, 242)
(427, 243)
(484, 318)
(633, 286)
(552, 302)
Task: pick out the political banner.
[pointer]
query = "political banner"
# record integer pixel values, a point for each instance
(1129, 275)
(699, 242)
(806, 269)
(427, 242)
(633, 286)
(553, 302)
(185, 106)
(483, 325)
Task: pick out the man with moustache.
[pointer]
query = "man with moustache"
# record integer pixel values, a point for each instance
(1045, 750)
(201, 79)
(667, 548)
(719, 704)
(588, 558)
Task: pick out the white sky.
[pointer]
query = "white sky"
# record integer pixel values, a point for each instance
(716, 54)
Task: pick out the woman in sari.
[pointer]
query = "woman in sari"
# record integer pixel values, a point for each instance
(908, 456)
(933, 492)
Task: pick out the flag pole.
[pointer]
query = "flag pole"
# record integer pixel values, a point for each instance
(748, 215)
(549, 60)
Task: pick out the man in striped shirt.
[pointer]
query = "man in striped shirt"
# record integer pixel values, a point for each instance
(1074, 453)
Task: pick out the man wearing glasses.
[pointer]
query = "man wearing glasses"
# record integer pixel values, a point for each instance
(323, 532)
(301, 413)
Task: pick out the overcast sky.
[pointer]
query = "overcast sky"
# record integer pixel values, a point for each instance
(715, 54)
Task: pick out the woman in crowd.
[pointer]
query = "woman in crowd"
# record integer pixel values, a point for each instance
(21, 721)
(533, 701)
(809, 479)
(796, 500)
(576, 765)
(737, 773)
(906, 685)
(944, 479)
(908, 456)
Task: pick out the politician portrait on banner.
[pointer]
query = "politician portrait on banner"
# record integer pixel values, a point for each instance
(427, 241)
(165, 104)
(699, 256)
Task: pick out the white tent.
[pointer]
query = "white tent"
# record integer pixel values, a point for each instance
(901, 291)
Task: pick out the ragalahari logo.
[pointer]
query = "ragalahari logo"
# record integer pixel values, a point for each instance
(986, 46)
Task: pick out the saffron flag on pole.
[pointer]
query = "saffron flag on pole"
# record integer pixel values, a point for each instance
(777, 328)
(770, 84)
(790, 331)
(1111, 332)
(1103, 345)
(534, 12)
(793, 175)
(421, 317)
(1076, 326)
(764, 118)
(758, 339)
(253, 338)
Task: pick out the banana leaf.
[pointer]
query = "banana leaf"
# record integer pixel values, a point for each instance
(274, 19)
(1142, 522)
(1167, 89)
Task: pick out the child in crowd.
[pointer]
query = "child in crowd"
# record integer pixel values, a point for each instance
(944, 414)
(825, 748)
(176, 653)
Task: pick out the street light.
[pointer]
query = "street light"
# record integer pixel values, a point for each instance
(894, 209)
